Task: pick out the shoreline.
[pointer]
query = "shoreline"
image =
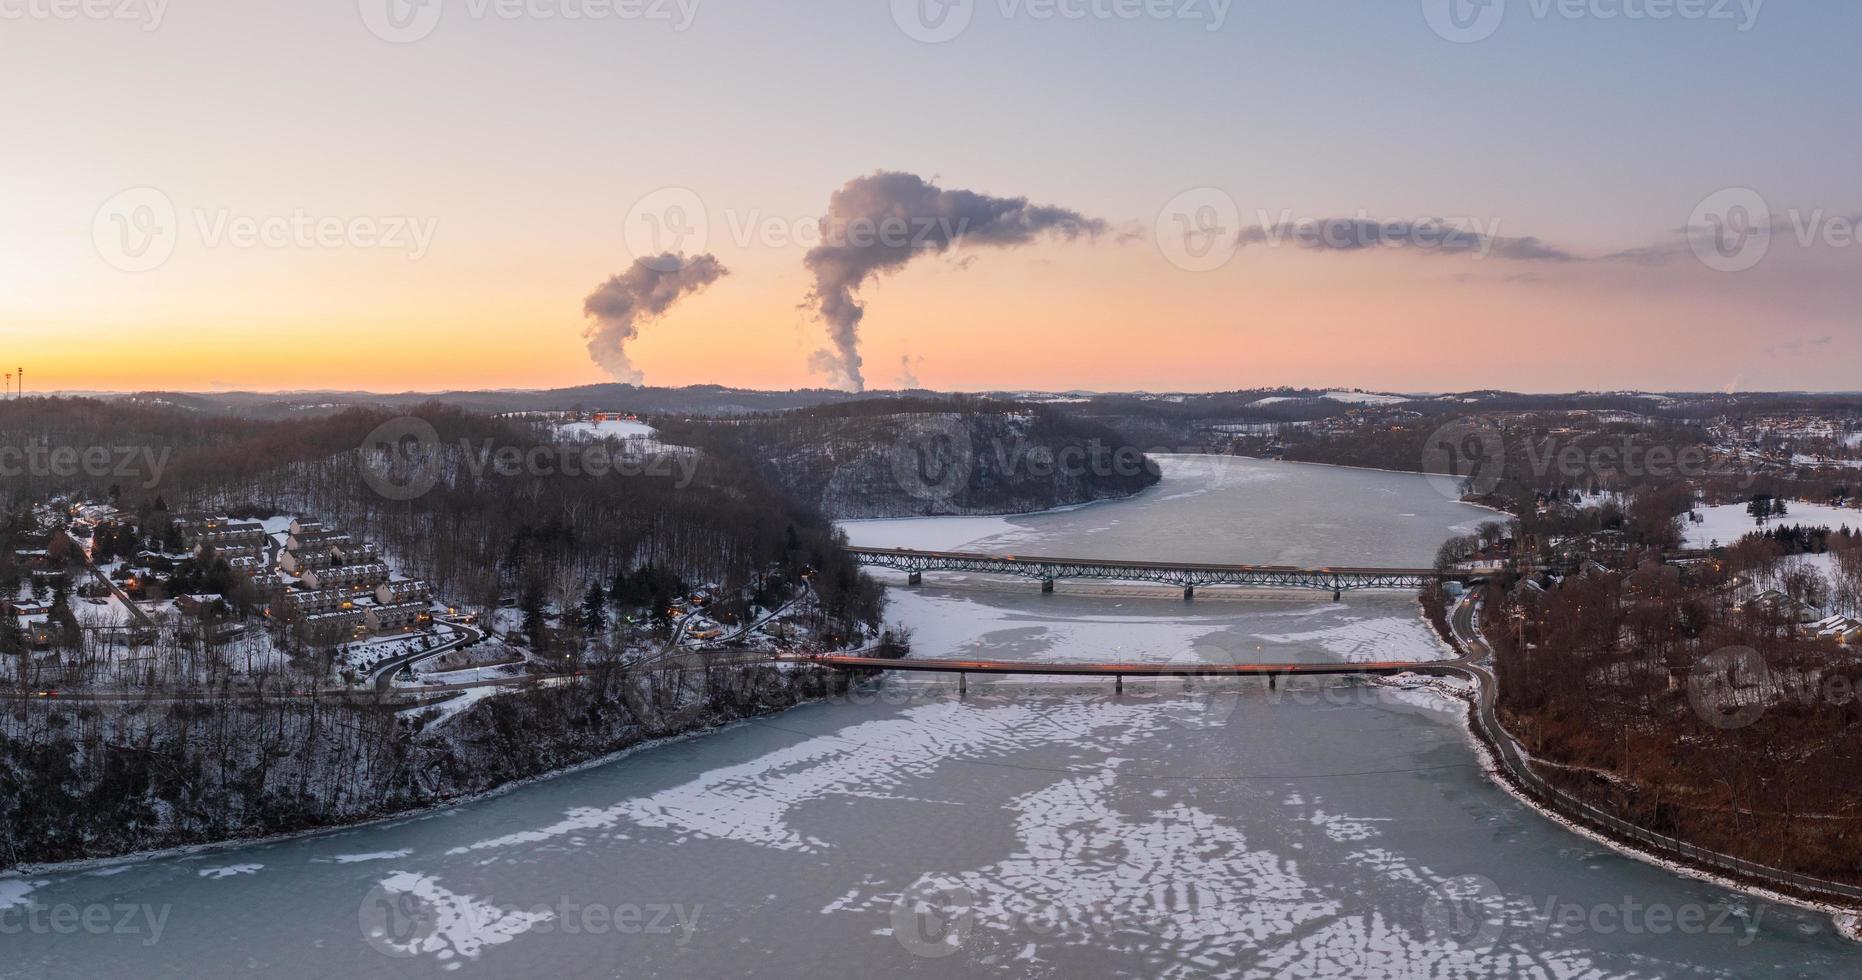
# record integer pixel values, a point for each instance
(80, 866)
(1847, 919)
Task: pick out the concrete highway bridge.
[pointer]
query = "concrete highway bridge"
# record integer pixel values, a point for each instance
(1187, 576)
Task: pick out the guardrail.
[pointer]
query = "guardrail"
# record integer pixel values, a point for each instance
(1511, 759)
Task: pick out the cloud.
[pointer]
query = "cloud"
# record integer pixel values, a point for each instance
(1432, 235)
(879, 223)
(644, 292)
(908, 372)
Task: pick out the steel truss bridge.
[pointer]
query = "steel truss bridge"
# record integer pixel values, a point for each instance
(1188, 577)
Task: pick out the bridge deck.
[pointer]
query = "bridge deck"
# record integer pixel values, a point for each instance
(1140, 669)
(1189, 575)
(1094, 563)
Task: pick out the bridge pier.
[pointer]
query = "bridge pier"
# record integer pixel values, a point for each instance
(915, 578)
(1338, 595)
(1189, 593)
(963, 684)
(1273, 682)
(1047, 586)
(1118, 684)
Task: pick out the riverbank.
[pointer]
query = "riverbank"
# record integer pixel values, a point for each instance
(222, 792)
(1770, 884)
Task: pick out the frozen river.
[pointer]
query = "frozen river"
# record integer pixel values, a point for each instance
(1031, 829)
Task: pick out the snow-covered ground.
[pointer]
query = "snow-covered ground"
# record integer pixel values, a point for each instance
(924, 533)
(1346, 397)
(1728, 523)
(613, 428)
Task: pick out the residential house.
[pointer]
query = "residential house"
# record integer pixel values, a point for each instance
(350, 577)
(338, 626)
(405, 590)
(398, 617)
(1845, 630)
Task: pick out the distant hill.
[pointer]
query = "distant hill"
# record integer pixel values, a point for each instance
(906, 457)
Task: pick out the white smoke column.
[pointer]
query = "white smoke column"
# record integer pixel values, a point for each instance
(644, 292)
(880, 223)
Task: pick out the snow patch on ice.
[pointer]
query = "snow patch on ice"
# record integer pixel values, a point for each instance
(231, 871)
(454, 925)
(752, 802)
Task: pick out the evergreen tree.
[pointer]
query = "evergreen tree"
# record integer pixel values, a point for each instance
(595, 610)
(532, 605)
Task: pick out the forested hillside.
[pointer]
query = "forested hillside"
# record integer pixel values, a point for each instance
(916, 457)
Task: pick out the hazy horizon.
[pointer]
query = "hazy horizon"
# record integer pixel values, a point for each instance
(330, 197)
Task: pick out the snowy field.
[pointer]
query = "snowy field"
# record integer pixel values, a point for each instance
(613, 428)
(1344, 397)
(1728, 523)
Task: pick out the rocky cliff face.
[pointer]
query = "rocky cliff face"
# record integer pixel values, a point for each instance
(947, 463)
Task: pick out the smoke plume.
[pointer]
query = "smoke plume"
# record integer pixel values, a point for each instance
(880, 223)
(644, 292)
